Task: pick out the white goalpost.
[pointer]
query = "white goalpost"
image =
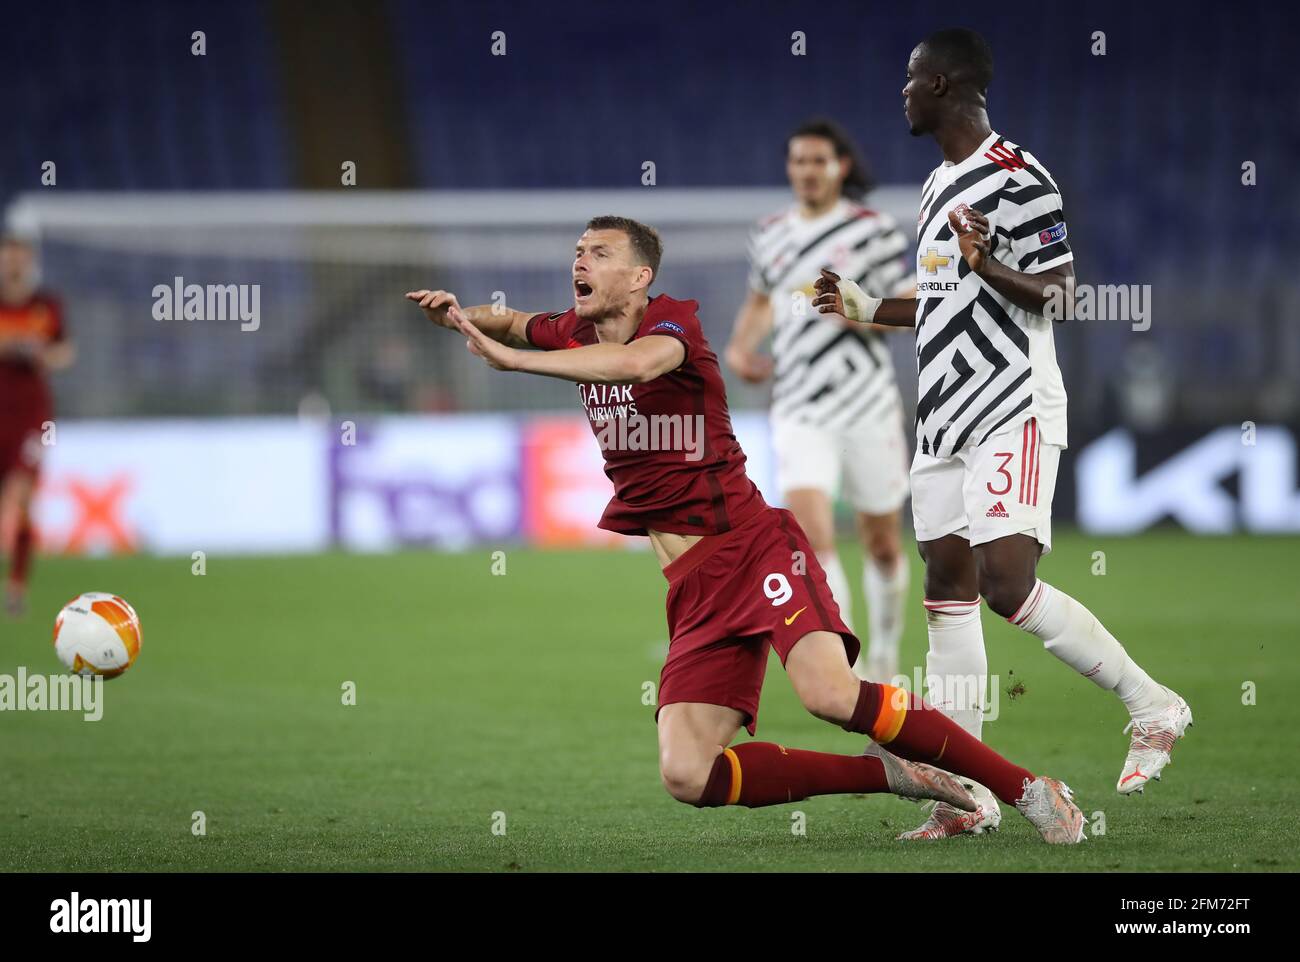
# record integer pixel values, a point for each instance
(330, 268)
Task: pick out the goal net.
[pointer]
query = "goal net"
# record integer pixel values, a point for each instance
(253, 303)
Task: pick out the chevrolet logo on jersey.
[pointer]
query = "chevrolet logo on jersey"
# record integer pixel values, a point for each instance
(933, 260)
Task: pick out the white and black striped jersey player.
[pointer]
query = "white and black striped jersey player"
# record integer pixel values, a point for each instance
(990, 428)
(836, 410)
(984, 364)
(990, 414)
(992, 256)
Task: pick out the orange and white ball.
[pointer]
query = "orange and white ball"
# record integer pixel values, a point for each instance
(97, 634)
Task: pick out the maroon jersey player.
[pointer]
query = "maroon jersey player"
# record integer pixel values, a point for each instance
(32, 342)
(741, 575)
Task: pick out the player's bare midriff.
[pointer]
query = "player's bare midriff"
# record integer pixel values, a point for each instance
(669, 547)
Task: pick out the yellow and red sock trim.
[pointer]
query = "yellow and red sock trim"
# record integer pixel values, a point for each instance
(890, 717)
(733, 796)
(723, 786)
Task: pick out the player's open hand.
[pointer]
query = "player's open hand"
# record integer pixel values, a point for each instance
(827, 299)
(496, 354)
(437, 305)
(973, 235)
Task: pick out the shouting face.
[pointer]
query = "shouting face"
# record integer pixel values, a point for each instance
(606, 275)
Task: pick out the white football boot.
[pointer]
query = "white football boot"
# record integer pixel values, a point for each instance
(913, 780)
(1049, 806)
(946, 821)
(1151, 743)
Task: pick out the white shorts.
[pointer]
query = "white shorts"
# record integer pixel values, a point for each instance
(869, 458)
(1002, 487)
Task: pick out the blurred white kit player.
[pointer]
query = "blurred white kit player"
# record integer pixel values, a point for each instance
(837, 418)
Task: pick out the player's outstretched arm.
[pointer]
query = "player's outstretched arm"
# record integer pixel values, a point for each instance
(643, 360)
(1031, 292)
(499, 323)
(845, 298)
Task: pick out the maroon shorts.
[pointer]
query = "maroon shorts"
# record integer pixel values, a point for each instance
(20, 445)
(733, 596)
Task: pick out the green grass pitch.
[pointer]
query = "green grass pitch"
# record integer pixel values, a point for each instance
(521, 694)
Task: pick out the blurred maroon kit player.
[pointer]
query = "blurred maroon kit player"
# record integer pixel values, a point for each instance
(741, 574)
(32, 342)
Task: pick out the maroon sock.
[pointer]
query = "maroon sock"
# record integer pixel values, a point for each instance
(762, 773)
(22, 559)
(912, 729)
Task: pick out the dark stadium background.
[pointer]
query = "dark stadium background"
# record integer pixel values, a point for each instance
(523, 693)
(1147, 142)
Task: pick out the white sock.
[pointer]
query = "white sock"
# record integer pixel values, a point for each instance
(886, 594)
(956, 667)
(1073, 634)
(839, 584)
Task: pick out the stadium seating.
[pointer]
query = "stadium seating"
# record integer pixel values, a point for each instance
(116, 98)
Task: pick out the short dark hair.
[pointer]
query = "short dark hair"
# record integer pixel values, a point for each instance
(646, 245)
(859, 182)
(963, 56)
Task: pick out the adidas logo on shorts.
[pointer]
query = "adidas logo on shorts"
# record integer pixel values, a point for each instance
(997, 511)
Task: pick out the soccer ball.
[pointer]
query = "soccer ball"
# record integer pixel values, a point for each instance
(97, 634)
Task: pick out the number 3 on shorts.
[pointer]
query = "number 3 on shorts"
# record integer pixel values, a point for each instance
(777, 587)
(1006, 457)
